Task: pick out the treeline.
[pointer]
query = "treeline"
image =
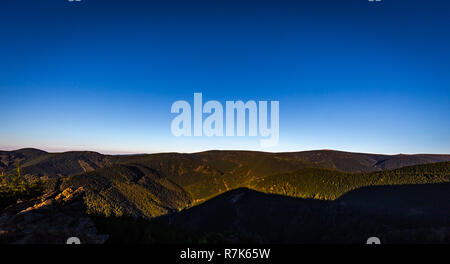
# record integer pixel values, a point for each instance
(14, 187)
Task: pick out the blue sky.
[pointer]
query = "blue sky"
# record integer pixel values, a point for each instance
(102, 75)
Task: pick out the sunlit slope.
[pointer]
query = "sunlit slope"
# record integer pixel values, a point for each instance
(156, 187)
(154, 184)
(129, 190)
(330, 184)
(208, 173)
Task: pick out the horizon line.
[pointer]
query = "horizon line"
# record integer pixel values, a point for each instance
(107, 152)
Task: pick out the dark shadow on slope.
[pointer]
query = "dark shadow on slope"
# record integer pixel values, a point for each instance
(426, 204)
(397, 214)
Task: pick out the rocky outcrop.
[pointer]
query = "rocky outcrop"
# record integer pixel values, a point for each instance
(52, 218)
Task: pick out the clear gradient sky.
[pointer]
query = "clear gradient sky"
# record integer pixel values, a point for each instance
(102, 75)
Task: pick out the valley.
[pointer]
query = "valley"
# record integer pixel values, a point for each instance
(299, 197)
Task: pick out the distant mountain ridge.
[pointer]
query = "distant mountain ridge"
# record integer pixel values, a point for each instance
(363, 162)
(40, 163)
(155, 184)
(302, 187)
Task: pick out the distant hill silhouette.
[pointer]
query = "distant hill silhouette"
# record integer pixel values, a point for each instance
(40, 163)
(362, 162)
(37, 163)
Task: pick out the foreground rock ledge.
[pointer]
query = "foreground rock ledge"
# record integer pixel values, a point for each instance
(49, 219)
